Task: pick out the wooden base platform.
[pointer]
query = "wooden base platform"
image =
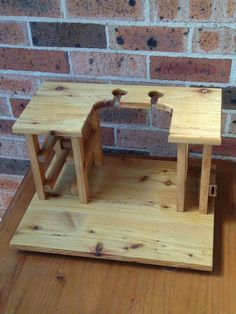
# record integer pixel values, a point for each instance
(131, 217)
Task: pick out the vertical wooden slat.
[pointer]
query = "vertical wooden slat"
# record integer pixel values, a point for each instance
(205, 178)
(182, 163)
(37, 168)
(187, 160)
(98, 154)
(81, 174)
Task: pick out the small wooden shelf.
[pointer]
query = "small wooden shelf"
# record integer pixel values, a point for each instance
(129, 209)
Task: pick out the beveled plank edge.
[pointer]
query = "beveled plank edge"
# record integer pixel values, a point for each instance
(193, 266)
(175, 139)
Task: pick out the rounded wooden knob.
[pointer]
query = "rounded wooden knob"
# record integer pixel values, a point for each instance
(154, 96)
(119, 92)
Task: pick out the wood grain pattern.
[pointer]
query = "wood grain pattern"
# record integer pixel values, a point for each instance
(65, 107)
(131, 216)
(46, 283)
(205, 178)
(81, 172)
(182, 168)
(38, 170)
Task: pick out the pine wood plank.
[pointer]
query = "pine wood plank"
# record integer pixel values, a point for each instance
(55, 171)
(131, 216)
(65, 107)
(98, 155)
(205, 178)
(81, 172)
(182, 165)
(36, 283)
(37, 168)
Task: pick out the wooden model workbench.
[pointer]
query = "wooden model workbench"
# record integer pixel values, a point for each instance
(120, 208)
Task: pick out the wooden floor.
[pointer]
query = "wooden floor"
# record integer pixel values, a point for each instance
(131, 216)
(41, 283)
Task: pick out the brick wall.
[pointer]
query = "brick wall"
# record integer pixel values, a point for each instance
(172, 42)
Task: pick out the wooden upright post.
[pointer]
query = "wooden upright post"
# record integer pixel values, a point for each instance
(182, 165)
(205, 178)
(98, 152)
(37, 168)
(81, 173)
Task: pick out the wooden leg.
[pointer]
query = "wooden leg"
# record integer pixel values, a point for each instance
(182, 164)
(205, 178)
(81, 174)
(37, 168)
(98, 154)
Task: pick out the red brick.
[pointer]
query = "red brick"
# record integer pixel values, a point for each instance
(232, 127)
(123, 115)
(14, 166)
(47, 8)
(167, 10)
(160, 119)
(223, 121)
(10, 183)
(13, 148)
(229, 98)
(114, 9)
(190, 69)
(105, 64)
(4, 108)
(107, 136)
(78, 35)
(227, 148)
(34, 60)
(18, 84)
(200, 9)
(148, 38)
(213, 40)
(209, 40)
(6, 198)
(18, 105)
(13, 33)
(155, 141)
(6, 126)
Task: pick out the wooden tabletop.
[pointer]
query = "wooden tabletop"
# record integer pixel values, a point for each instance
(44, 283)
(64, 108)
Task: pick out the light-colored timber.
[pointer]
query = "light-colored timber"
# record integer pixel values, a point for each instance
(64, 108)
(131, 216)
(81, 172)
(37, 168)
(205, 178)
(46, 283)
(67, 112)
(182, 169)
(55, 171)
(130, 209)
